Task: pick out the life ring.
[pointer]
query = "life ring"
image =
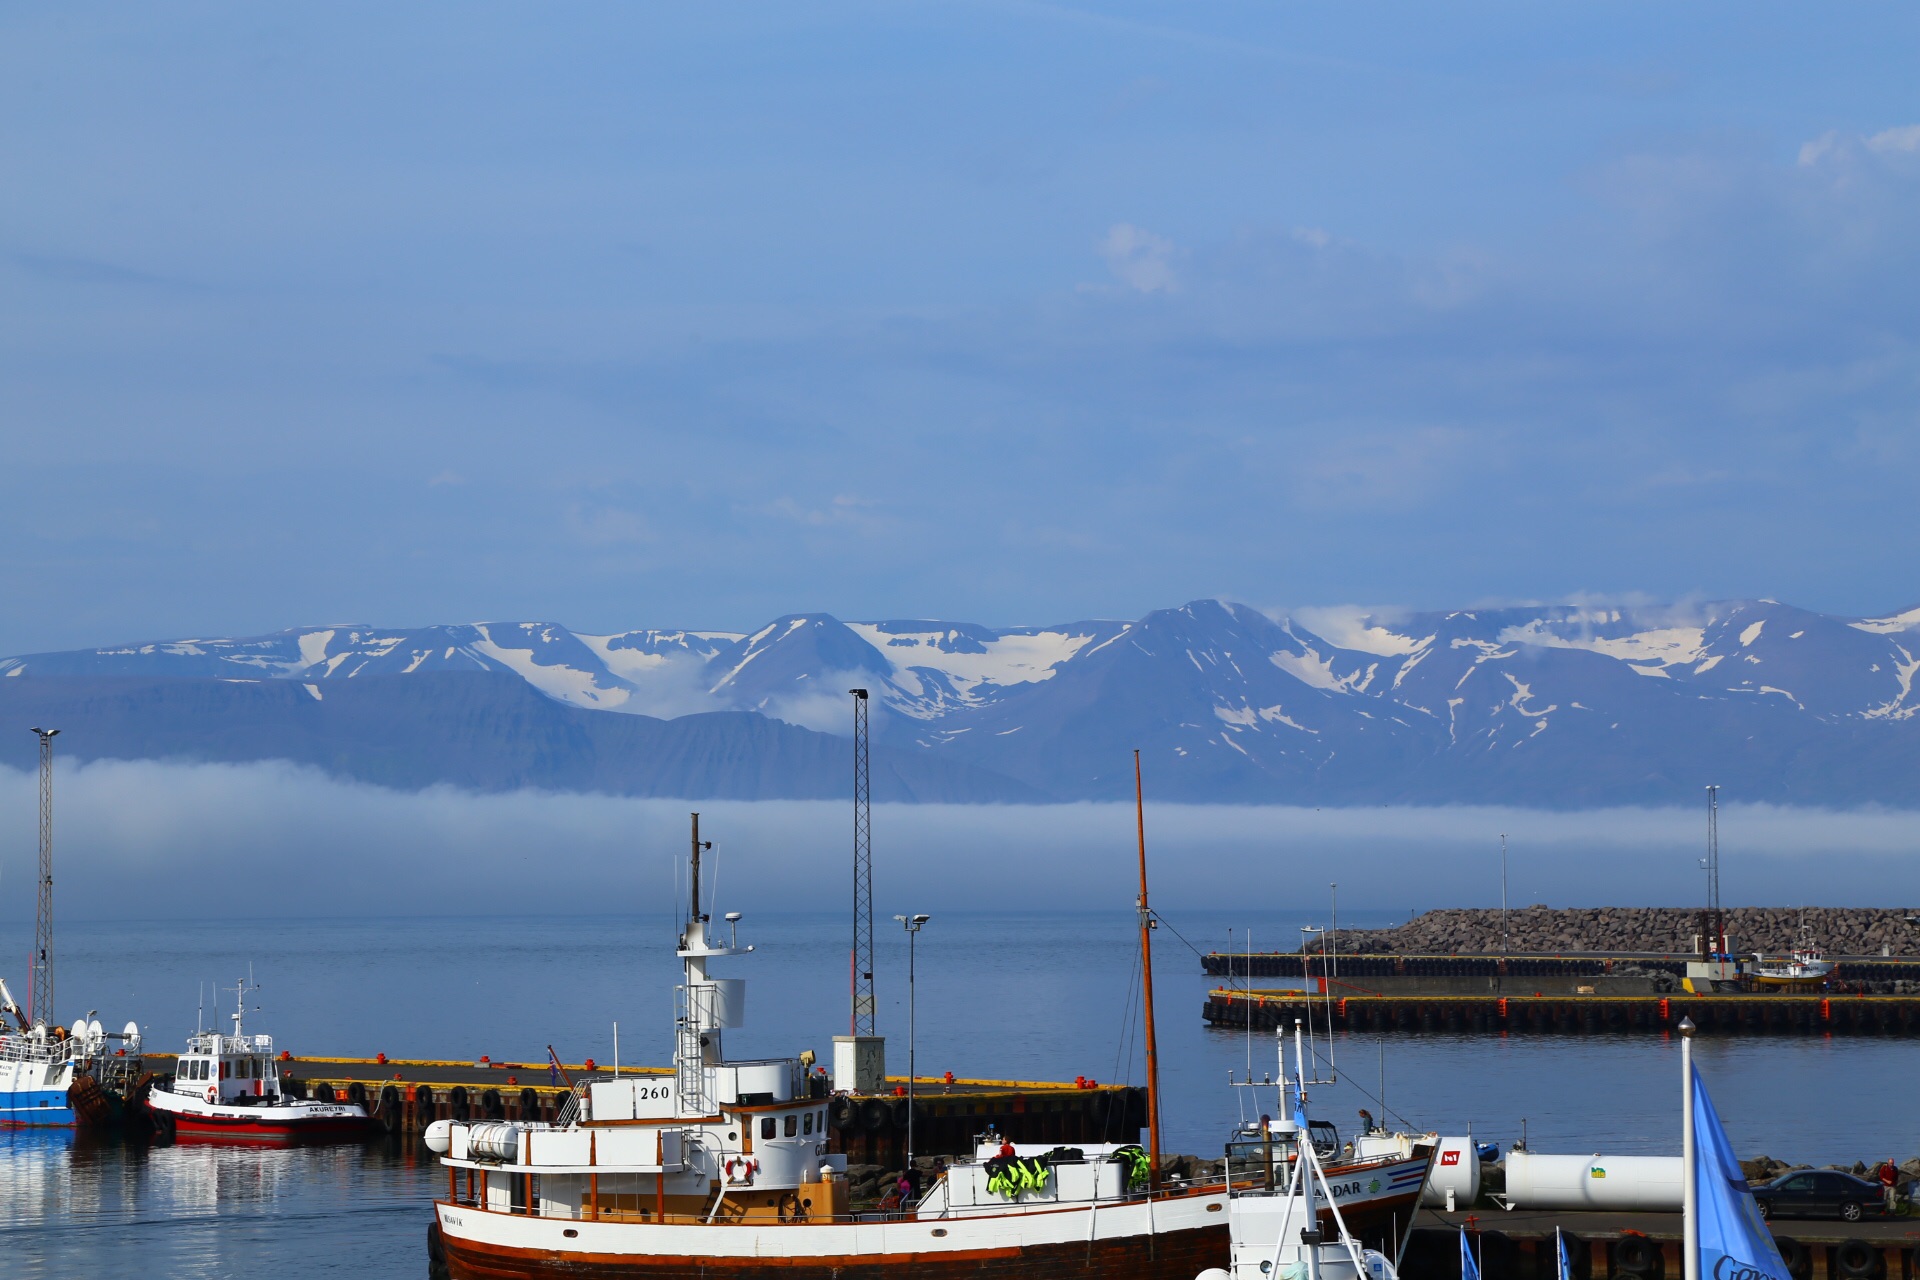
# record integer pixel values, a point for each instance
(746, 1169)
(213, 1095)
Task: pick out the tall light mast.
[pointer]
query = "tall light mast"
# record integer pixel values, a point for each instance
(1716, 919)
(40, 988)
(861, 1023)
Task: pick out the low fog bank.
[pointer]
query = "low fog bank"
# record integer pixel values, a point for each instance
(139, 839)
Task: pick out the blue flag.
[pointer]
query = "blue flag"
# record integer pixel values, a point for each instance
(1734, 1241)
(1566, 1263)
(1469, 1270)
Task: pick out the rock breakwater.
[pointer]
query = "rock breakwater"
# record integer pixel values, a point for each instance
(1857, 931)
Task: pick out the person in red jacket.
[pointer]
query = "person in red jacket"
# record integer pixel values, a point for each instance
(1889, 1174)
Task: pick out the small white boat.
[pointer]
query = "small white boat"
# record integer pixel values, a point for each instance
(1806, 965)
(227, 1089)
(1297, 1220)
(1297, 1231)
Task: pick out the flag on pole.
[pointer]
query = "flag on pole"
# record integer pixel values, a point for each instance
(1735, 1243)
(1469, 1270)
(1560, 1249)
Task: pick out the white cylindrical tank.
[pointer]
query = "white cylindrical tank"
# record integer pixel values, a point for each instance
(773, 1079)
(1536, 1180)
(493, 1142)
(1456, 1168)
(439, 1137)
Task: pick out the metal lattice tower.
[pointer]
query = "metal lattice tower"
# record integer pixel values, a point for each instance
(40, 988)
(863, 1001)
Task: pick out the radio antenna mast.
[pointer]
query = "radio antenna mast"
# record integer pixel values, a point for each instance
(40, 988)
(861, 1023)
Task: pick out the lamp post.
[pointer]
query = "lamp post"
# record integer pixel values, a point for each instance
(912, 925)
(1505, 946)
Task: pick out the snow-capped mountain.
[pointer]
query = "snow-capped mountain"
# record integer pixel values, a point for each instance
(1553, 705)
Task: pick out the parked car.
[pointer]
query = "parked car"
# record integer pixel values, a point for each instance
(1820, 1193)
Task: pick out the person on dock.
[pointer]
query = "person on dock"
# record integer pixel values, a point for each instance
(1889, 1175)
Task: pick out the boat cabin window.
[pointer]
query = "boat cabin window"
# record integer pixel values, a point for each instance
(793, 1125)
(223, 1069)
(806, 1125)
(766, 1127)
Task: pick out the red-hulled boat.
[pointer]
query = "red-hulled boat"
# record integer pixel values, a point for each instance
(227, 1089)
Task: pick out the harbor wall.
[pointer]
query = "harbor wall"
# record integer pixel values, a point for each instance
(1847, 1015)
(1855, 931)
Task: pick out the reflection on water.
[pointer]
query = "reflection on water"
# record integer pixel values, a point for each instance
(76, 1203)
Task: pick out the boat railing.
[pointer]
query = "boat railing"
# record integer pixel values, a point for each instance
(26, 1048)
(569, 1111)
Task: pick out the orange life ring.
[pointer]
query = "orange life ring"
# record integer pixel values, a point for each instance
(213, 1095)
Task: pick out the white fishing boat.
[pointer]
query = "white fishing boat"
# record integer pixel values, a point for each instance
(1302, 1227)
(722, 1168)
(227, 1089)
(1805, 966)
(56, 1077)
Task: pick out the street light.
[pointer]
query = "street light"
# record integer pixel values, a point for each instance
(912, 925)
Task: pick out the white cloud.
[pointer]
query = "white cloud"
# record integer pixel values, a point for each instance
(1904, 137)
(1140, 259)
(147, 840)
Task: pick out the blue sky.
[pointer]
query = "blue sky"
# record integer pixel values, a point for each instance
(629, 314)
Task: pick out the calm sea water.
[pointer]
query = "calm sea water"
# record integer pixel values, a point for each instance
(1003, 996)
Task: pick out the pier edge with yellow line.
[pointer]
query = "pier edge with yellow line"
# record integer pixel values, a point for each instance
(405, 1095)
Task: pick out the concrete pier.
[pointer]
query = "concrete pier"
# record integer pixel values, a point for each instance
(404, 1096)
(1737, 1014)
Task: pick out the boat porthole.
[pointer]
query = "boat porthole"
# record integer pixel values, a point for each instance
(939, 1231)
(1213, 1208)
(569, 1233)
(1266, 1267)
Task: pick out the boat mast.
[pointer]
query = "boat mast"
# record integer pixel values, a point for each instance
(695, 920)
(1146, 980)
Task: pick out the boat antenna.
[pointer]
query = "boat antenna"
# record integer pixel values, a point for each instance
(200, 1013)
(695, 918)
(1146, 982)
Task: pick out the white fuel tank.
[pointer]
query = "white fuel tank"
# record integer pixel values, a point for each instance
(1456, 1168)
(1536, 1180)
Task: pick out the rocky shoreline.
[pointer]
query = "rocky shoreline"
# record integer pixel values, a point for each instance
(1856, 931)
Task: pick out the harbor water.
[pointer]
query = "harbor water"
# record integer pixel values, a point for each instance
(1005, 996)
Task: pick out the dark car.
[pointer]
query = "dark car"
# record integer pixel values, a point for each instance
(1820, 1193)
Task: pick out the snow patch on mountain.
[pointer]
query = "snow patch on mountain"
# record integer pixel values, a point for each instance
(969, 660)
(1657, 648)
(1353, 627)
(1906, 621)
(557, 680)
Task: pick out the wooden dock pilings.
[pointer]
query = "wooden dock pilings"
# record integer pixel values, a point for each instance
(1571, 1015)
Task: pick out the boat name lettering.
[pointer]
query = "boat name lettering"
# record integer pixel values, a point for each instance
(1346, 1189)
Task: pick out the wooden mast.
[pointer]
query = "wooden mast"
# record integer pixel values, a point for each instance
(1146, 981)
